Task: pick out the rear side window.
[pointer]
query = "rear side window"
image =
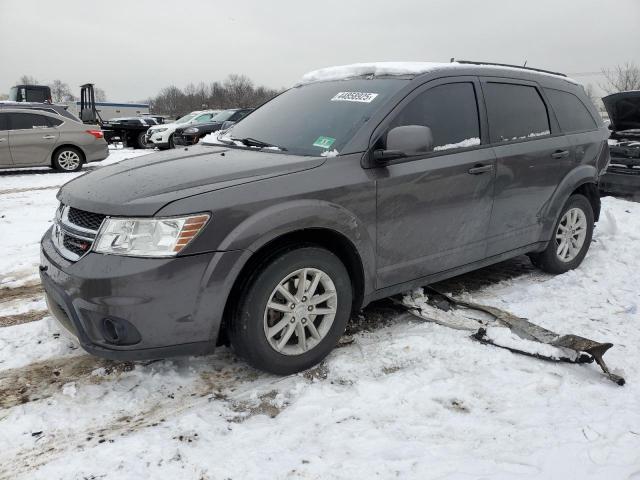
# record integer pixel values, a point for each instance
(450, 111)
(571, 113)
(516, 112)
(4, 121)
(53, 121)
(27, 121)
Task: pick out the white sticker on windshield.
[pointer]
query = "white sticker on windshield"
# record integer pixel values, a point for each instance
(361, 97)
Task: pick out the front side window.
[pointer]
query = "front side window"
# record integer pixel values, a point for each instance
(27, 121)
(450, 111)
(571, 113)
(516, 112)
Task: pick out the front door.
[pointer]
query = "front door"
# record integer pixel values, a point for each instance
(5, 154)
(434, 209)
(31, 139)
(532, 158)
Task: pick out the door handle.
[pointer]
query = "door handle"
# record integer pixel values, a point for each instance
(480, 169)
(49, 137)
(560, 154)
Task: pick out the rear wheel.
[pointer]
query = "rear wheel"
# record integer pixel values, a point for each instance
(292, 311)
(67, 159)
(571, 237)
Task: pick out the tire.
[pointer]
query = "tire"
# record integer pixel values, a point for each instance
(141, 141)
(248, 331)
(577, 213)
(171, 144)
(68, 159)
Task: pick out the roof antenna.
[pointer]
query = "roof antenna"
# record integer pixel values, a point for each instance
(525, 63)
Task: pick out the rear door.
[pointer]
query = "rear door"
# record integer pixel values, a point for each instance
(532, 158)
(32, 138)
(433, 209)
(5, 154)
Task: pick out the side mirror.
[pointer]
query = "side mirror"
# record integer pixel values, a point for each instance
(405, 141)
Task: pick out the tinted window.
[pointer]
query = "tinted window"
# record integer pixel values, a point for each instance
(571, 113)
(26, 121)
(515, 112)
(4, 123)
(451, 111)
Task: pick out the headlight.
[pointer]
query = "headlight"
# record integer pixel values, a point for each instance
(191, 130)
(159, 130)
(148, 237)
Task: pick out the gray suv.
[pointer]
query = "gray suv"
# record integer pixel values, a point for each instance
(34, 137)
(357, 184)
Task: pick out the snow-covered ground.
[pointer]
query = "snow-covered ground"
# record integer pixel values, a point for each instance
(404, 399)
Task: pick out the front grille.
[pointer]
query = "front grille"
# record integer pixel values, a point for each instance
(623, 170)
(83, 219)
(75, 245)
(74, 231)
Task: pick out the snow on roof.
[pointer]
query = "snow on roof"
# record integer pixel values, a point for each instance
(343, 72)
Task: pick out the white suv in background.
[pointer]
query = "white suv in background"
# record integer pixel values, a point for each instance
(161, 136)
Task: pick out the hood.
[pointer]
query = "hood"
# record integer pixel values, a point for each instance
(143, 185)
(168, 125)
(624, 110)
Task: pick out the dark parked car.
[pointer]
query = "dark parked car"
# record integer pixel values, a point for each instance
(191, 134)
(132, 131)
(623, 174)
(358, 184)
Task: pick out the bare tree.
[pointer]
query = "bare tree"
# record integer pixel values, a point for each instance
(101, 95)
(591, 94)
(621, 78)
(4, 96)
(60, 92)
(234, 91)
(27, 80)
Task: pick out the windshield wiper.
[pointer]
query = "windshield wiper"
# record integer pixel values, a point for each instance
(252, 142)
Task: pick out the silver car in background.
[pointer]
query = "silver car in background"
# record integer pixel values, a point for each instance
(35, 138)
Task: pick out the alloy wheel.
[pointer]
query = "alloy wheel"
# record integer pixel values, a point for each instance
(68, 160)
(571, 234)
(300, 311)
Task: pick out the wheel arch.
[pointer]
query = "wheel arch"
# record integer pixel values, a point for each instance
(83, 156)
(330, 239)
(584, 180)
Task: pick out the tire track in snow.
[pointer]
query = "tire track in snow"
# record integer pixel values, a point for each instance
(28, 290)
(20, 318)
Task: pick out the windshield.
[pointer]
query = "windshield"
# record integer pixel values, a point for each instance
(223, 116)
(186, 118)
(319, 117)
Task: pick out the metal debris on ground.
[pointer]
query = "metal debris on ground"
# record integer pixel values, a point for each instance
(483, 320)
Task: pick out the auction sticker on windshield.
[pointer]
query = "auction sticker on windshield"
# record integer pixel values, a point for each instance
(361, 97)
(324, 142)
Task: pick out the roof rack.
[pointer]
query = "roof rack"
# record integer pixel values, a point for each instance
(470, 62)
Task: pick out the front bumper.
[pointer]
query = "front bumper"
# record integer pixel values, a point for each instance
(160, 140)
(162, 307)
(185, 139)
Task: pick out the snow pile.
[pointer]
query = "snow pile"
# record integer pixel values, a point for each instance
(468, 142)
(343, 72)
(330, 153)
(504, 337)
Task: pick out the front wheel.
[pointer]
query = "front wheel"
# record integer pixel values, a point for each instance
(292, 311)
(571, 237)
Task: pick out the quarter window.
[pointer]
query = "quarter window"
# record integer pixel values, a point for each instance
(450, 111)
(27, 121)
(571, 113)
(516, 112)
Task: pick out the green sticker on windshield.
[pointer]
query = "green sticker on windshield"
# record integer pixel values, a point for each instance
(324, 142)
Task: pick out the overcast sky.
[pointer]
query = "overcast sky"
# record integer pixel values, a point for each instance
(133, 48)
